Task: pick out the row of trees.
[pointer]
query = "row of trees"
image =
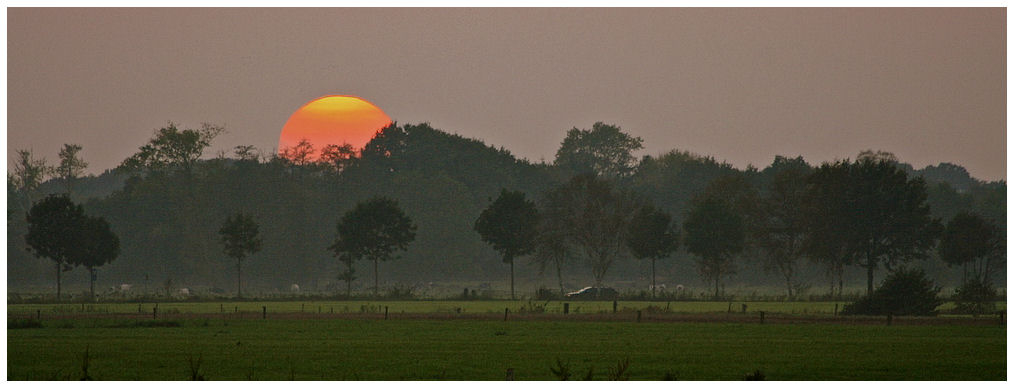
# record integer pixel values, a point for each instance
(864, 213)
(596, 206)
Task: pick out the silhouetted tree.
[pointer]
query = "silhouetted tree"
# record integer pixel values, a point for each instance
(551, 248)
(509, 224)
(826, 210)
(671, 180)
(652, 235)
(246, 152)
(593, 217)
(71, 166)
(604, 150)
(374, 230)
(337, 157)
(28, 174)
(714, 233)
(970, 240)
(96, 245)
(54, 225)
(302, 154)
(240, 238)
(781, 228)
(890, 219)
(173, 148)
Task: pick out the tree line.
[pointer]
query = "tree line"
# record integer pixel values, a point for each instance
(595, 206)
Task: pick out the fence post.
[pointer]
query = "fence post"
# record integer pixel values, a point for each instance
(505, 311)
(302, 306)
(138, 308)
(890, 317)
(385, 313)
(154, 312)
(264, 311)
(638, 316)
(614, 306)
(566, 308)
(38, 316)
(762, 317)
(318, 309)
(836, 309)
(221, 308)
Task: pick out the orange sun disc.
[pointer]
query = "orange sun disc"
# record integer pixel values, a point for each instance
(333, 120)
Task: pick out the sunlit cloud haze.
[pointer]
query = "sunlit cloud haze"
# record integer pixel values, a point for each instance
(742, 85)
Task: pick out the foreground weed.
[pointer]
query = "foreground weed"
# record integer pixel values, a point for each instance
(195, 368)
(619, 374)
(757, 375)
(85, 362)
(671, 376)
(562, 370)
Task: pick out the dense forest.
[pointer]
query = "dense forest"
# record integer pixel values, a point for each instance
(167, 202)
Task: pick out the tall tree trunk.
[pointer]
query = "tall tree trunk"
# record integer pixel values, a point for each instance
(788, 285)
(652, 278)
(964, 273)
(239, 278)
(91, 278)
(511, 259)
(559, 276)
(841, 282)
(376, 277)
(348, 281)
(869, 277)
(830, 274)
(717, 279)
(58, 281)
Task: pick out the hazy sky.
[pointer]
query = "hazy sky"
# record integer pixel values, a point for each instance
(742, 85)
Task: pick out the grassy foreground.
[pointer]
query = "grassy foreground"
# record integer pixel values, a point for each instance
(336, 349)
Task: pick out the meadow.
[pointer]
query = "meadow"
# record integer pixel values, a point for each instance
(200, 340)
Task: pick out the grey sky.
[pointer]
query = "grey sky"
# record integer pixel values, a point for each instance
(742, 85)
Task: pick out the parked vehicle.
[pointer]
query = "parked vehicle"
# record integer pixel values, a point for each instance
(594, 293)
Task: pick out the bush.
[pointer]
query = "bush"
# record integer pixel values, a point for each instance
(904, 292)
(975, 297)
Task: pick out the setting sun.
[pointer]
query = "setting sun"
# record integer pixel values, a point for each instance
(333, 120)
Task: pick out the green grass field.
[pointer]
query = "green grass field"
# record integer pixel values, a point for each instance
(367, 349)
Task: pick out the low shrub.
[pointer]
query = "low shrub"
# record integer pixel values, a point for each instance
(904, 292)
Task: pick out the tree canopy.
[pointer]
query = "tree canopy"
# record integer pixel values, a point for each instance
(971, 241)
(603, 150)
(173, 148)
